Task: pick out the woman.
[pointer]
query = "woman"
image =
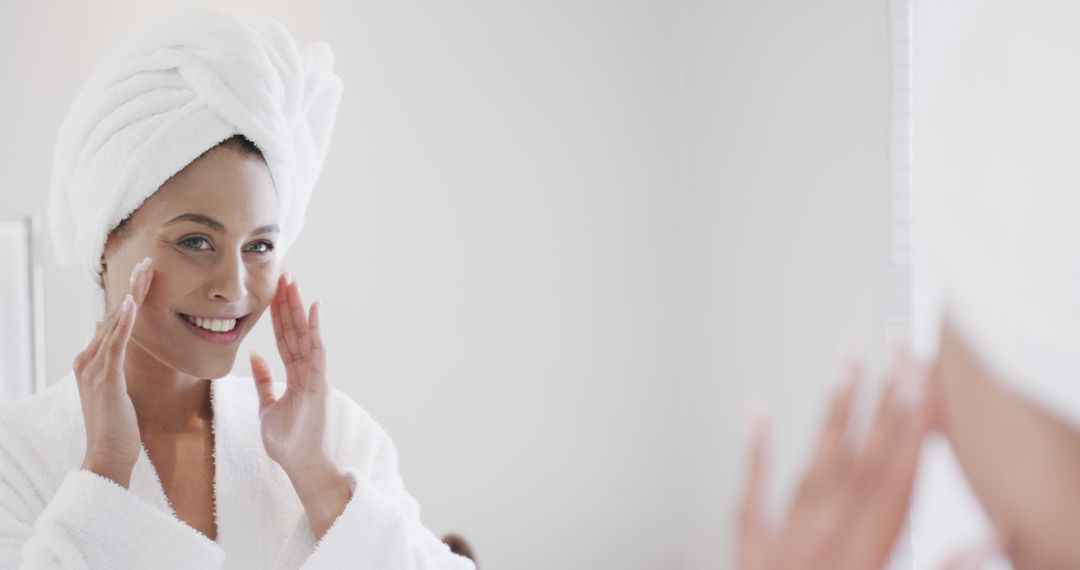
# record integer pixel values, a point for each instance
(181, 176)
(996, 146)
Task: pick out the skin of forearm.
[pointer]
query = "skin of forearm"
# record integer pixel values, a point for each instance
(324, 494)
(122, 476)
(1022, 463)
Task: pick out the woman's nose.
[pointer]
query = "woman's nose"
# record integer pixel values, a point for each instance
(228, 282)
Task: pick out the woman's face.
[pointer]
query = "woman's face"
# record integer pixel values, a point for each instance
(211, 231)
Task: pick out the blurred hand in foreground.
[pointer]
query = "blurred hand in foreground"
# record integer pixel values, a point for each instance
(852, 501)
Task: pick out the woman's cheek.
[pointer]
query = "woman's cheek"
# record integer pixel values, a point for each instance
(264, 278)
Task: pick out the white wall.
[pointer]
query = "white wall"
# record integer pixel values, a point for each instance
(783, 235)
(558, 243)
(492, 240)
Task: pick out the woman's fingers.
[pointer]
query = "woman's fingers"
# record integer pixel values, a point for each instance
(887, 464)
(900, 419)
(107, 325)
(297, 334)
(752, 526)
(264, 380)
(753, 497)
(136, 280)
(834, 449)
(116, 345)
(889, 420)
(278, 320)
(315, 342)
(92, 348)
(834, 438)
(895, 488)
(316, 352)
(143, 286)
(295, 308)
(288, 323)
(853, 501)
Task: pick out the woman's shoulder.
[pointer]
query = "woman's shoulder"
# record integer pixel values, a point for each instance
(42, 436)
(54, 409)
(53, 395)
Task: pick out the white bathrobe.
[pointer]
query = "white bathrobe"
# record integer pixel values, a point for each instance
(53, 514)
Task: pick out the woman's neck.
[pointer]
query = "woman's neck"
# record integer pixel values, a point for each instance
(166, 401)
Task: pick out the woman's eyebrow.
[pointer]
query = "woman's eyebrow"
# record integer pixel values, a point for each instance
(216, 225)
(198, 219)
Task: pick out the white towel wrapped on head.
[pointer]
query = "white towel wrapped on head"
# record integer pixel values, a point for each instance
(172, 89)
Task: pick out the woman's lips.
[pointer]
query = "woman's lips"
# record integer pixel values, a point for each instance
(212, 336)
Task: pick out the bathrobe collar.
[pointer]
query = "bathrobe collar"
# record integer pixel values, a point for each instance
(254, 501)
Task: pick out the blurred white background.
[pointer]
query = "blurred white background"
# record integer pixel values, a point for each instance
(559, 244)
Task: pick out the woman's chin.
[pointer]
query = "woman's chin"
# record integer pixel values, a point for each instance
(197, 361)
(212, 369)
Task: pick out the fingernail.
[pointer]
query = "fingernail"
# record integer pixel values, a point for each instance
(128, 302)
(139, 269)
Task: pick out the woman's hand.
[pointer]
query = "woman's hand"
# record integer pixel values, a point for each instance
(113, 440)
(294, 429)
(294, 426)
(853, 500)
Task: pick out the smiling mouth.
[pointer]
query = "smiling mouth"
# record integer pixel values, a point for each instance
(217, 331)
(213, 325)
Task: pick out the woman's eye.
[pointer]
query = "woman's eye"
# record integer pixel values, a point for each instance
(262, 246)
(193, 241)
(200, 243)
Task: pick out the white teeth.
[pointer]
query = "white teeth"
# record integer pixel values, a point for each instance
(215, 325)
